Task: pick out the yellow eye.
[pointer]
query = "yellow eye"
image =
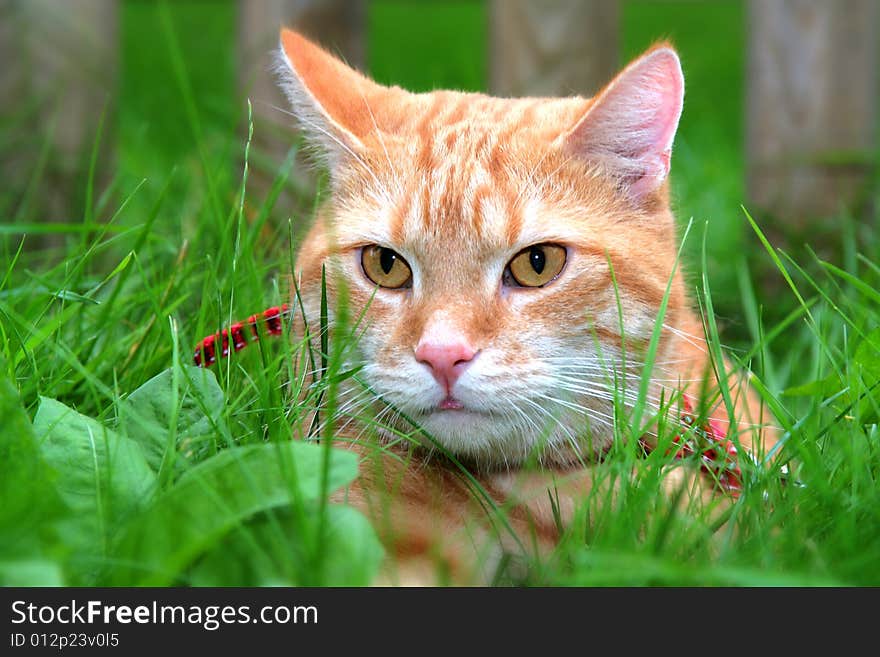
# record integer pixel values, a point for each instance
(385, 267)
(537, 265)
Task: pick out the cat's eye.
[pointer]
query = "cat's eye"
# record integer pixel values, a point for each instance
(385, 267)
(537, 265)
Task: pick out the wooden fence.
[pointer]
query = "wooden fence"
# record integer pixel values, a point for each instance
(811, 84)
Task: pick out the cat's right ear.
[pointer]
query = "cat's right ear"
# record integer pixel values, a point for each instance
(329, 99)
(630, 125)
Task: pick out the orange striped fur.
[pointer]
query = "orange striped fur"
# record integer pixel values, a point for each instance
(458, 184)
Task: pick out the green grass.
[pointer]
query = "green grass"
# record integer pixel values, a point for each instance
(119, 464)
(707, 181)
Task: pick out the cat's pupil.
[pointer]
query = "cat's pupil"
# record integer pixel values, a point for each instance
(386, 259)
(537, 259)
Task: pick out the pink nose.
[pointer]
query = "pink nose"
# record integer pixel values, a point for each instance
(447, 361)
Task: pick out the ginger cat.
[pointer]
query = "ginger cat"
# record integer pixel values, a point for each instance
(494, 245)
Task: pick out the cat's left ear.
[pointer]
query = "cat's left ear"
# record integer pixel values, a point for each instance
(332, 101)
(631, 123)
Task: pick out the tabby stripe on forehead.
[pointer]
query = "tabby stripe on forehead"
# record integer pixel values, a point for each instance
(496, 158)
(502, 139)
(427, 215)
(481, 193)
(482, 143)
(447, 195)
(400, 213)
(457, 113)
(425, 135)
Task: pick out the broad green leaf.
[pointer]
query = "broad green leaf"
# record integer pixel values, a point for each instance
(101, 476)
(28, 499)
(352, 549)
(819, 388)
(192, 414)
(217, 495)
(271, 551)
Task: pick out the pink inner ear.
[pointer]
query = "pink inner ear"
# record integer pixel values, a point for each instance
(631, 124)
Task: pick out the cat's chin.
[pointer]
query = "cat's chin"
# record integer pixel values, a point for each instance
(476, 436)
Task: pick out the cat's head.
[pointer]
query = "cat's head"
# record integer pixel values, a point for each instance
(496, 244)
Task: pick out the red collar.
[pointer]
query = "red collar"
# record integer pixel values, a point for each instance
(206, 351)
(718, 455)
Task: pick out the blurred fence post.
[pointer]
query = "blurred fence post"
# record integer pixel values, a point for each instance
(339, 25)
(552, 47)
(811, 105)
(63, 75)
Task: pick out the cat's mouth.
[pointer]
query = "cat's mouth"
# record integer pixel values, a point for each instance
(450, 403)
(451, 406)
